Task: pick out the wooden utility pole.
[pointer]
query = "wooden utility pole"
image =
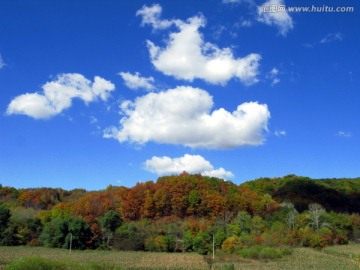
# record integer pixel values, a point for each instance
(213, 246)
(70, 242)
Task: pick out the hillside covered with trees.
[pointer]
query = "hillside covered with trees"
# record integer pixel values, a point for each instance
(185, 213)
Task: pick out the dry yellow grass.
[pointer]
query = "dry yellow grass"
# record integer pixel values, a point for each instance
(304, 258)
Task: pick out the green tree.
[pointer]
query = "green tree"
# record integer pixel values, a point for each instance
(243, 220)
(131, 236)
(60, 233)
(6, 234)
(188, 241)
(202, 243)
(4, 218)
(109, 223)
(54, 233)
(78, 233)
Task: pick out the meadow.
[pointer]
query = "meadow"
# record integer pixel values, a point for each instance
(335, 257)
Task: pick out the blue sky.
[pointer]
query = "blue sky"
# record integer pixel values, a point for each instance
(97, 93)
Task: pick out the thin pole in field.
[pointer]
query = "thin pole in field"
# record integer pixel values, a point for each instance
(70, 241)
(213, 247)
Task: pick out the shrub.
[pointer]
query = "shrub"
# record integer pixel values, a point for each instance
(264, 253)
(247, 239)
(251, 252)
(317, 241)
(231, 244)
(340, 238)
(227, 267)
(155, 243)
(285, 251)
(160, 243)
(268, 253)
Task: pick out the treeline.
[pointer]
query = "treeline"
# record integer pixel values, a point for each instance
(339, 195)
(182, 213)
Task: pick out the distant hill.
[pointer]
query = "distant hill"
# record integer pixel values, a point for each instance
(187, 195)
(339, 195)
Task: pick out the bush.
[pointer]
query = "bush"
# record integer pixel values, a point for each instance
(59, 232)
(227, 267)
(248, 239)
(251, 252)
(34, 263)
(231, 244)
(160, 243)
(340, 238)
(318, 241)
(264, 253)
(285, 251)
(268, 253)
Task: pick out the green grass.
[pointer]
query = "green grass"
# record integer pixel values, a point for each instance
(99, 260)
(31, 258)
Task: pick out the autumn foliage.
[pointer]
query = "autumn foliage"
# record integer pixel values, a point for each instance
(183, 212)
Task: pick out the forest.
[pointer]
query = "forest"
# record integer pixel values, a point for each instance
(265, 217)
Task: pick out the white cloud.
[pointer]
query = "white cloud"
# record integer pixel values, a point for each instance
(332, 37)
(189, 163)
(280, 19)
(183, 116)
(135, 81)
(280, 133)
(345, 134)
(186, 55)
(58, 95)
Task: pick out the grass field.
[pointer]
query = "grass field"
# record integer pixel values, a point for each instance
(336, 258)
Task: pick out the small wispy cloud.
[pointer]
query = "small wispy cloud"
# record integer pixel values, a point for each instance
(93, 120)
(218, 31)
(273, 75)
(280, 133)
(332, 37)
(231, 1)
(329, 38)
(246, 23)
(2, 63)
(344, 134)
(249, 2)
(135, 81)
